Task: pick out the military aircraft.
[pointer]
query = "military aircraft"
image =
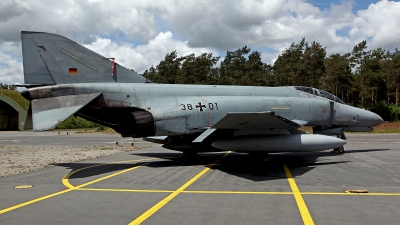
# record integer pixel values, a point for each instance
(65, 78)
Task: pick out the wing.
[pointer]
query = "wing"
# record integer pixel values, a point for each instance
(260, 120)
(251, 121)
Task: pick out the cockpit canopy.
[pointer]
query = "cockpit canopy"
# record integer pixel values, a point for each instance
(319, 92)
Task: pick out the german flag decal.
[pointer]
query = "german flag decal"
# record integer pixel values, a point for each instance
(73, 71)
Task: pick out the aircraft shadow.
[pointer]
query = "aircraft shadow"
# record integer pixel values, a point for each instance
(245, 167)
(367, 150)
(96, 168)
(236, 164)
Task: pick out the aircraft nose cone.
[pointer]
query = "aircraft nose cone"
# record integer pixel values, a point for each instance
(377, 120)
(369, 119)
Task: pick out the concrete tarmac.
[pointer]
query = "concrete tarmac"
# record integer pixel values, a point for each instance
(154, 186)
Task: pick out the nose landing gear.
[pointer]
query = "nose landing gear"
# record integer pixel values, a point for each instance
(339, 150)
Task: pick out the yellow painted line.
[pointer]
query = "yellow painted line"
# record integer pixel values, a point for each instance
(354, 194)
(188, 192)
(239, 192)
(65, 179)
(109, 176)
(124, 190)
(33, 201)
(25, 186)
(65, 191)
(163, 202)
(305, 214)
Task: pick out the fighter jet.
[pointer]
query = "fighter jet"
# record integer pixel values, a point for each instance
(65, 78)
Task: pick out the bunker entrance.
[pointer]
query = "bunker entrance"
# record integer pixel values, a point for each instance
(8, 117)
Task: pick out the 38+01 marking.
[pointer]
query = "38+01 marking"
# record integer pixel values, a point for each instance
(211, 106)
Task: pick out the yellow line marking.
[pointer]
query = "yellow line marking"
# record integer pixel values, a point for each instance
(23, 186)
(163, 202)
(354, 194)
(305, 214)
(109, 176)
(124, 190)
(65, 179)
(188, 192)
(68, 190)
(239, 192)
(33, 201)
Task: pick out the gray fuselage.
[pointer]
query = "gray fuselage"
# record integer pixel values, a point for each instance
(182, 109)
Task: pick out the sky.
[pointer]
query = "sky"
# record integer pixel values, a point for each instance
(140, 33)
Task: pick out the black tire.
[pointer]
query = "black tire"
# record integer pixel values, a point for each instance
(340, 149)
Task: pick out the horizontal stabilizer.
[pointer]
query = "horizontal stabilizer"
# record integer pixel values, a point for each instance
(251, 121)
(156, 139)
(47, 113)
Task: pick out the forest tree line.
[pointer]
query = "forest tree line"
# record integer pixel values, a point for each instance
(8, 86)
(362, 78)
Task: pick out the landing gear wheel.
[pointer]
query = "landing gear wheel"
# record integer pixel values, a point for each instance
(340, 150)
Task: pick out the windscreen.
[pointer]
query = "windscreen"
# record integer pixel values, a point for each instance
(319, 92)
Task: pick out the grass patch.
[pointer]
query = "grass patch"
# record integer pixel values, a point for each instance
(16, 97)
(85, 131)
(388, 127)
(106, 130)
(76, 123)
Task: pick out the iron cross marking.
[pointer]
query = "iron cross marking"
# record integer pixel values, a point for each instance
(199, 105)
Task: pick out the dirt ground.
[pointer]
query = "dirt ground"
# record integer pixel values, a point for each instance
(20, 159)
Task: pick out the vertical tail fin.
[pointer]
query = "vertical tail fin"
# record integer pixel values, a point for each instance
(51, 59)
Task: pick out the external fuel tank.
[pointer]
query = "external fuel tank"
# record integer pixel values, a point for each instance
(281, 143)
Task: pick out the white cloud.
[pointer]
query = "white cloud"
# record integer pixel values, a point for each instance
(10, 69)
(232, 24)
(11, 48)
(141, 57)
(74, 18)
(195, 26)
(380, 23)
